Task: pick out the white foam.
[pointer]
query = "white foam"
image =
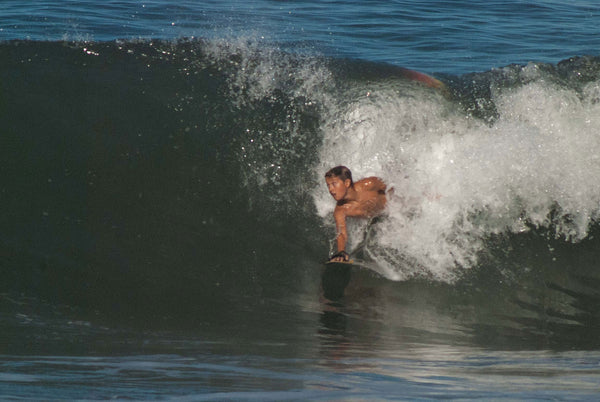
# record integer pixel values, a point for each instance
(459, 180)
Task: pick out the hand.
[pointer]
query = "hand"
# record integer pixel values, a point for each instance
(341, 256)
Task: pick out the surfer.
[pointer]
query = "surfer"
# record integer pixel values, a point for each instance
(363, 199)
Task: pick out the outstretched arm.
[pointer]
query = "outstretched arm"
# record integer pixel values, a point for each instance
(342, 235)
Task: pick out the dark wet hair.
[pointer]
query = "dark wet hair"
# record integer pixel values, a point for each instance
(342, 172)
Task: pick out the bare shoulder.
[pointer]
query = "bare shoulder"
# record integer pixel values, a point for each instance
(371, 184)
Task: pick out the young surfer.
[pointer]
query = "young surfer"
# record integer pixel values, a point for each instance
(363, 199)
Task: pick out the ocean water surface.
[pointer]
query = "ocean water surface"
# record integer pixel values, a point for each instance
(165, 222)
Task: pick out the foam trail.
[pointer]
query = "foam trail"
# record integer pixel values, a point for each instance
(459, 180)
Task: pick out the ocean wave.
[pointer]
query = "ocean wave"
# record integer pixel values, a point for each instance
(132, 159)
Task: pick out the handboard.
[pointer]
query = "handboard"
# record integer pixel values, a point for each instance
(349, 262)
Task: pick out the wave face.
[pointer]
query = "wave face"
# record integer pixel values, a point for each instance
(186, 170)
(139, 171)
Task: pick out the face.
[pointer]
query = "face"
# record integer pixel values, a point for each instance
(337, 187)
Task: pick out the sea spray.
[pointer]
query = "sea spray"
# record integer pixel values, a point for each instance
(459, 180)
(279, 98)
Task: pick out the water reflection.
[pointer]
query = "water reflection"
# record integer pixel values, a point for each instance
(334, 280)
(362, 314)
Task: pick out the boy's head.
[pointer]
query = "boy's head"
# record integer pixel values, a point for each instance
(342, 172)
(339, 180)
